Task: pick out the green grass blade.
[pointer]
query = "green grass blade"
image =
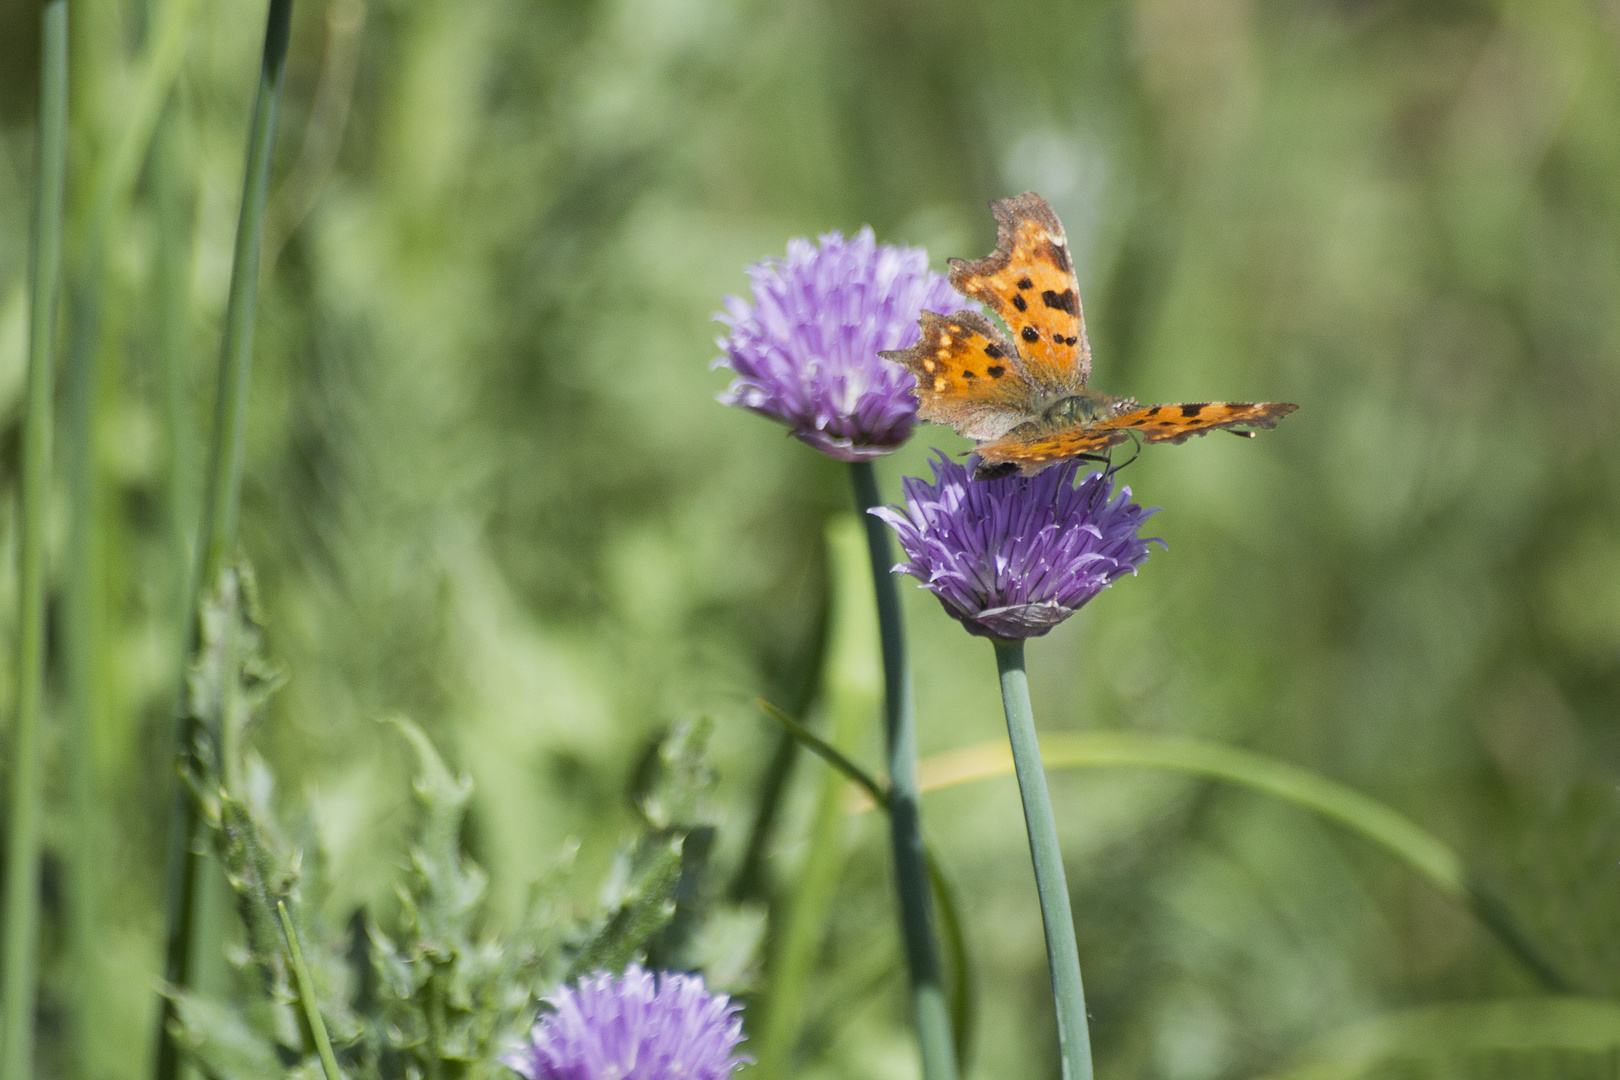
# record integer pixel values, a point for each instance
(18, 985)
(306, 995)
(222, 494)
(875, 789)
(1385, 827)
(749, 882)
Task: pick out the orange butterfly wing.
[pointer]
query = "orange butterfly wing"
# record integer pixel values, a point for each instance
(968, 375)
(1029, 282)
(1034, 450)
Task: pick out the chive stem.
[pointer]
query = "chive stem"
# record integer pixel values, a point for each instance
(1062, 952)
(930, 1011)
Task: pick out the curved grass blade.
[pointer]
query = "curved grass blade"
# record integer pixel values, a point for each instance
(222, 497)
(1392, 831)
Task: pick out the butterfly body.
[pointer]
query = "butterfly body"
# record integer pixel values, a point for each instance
(1024, 398)
(1082, 408)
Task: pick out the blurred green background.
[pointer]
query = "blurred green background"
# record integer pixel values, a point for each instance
(489, 489)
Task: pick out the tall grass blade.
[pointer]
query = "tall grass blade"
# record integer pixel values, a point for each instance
(18, 985)
(221, 498)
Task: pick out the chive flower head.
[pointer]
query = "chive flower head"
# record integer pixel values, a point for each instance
(1013, 557)
(639, 1026)
(805, 351)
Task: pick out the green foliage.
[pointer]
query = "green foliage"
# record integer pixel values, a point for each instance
(442, 992)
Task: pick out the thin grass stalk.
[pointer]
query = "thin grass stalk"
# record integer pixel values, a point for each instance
(930, 1011)
(306, 995)
(19, 983)
(1062, 951)
(221, 503)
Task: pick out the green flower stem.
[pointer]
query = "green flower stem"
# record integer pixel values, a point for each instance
(1062, 952)
(929, 1006)
(306, 995)
(221, 502)
(18, 984)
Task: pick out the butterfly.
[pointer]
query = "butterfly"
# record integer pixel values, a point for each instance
(1025, 400)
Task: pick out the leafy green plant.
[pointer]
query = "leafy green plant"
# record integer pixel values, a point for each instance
(443, 991)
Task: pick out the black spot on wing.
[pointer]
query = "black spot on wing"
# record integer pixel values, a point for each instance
(1155, 410)
(1031, 334)
(1064, 301)
(996, 371)
(968, 373)
(1059, 256)
(994, 352)
(1193, 410)
(1025, 283)
(1020, 303)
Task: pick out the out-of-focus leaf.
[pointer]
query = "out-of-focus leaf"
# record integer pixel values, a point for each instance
(683, 780)
(222, 1042)
(642, 903)
(726, 948)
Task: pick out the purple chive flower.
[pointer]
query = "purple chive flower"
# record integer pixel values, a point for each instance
(806, 350)
(1012, 558)
(638, 1027)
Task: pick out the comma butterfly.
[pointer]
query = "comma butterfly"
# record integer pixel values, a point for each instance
(1025, 400)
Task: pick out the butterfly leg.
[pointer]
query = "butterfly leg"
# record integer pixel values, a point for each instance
(993, 471)
(1111, 469)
